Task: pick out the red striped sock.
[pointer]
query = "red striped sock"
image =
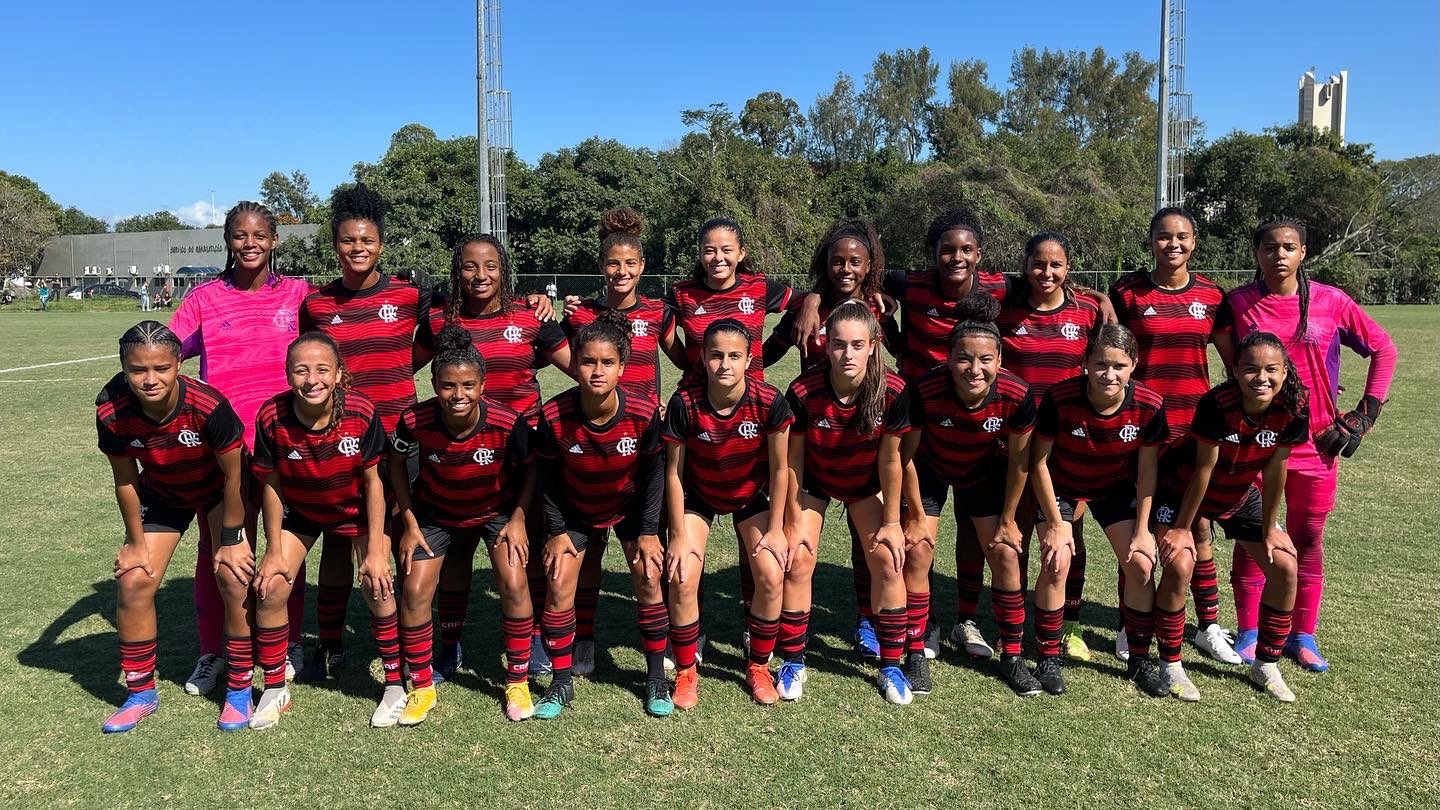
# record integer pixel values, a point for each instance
(239, 661)
(1049, 625)
(1009, 607)
(1139, 630)
(917, 615)
(517, 633)
(331, 602)
(587, 604)
(137, 661)
(386, 630)
(684, 638)
(1205, 588)
(1075, 580)
(763, 633)
(452, 605)
(1170, 632)
(273, 643)
(558, 627)
(417, 643)
(1274, 630)
(794, 634)
(654, 623)
(890, 628)
(861, 576)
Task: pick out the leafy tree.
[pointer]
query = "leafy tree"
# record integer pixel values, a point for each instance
(289, 196)
(74, 221)
(840, 126)
(158, 221)
(26, 224)
(773, 122)
(958, 127)
(899, 87)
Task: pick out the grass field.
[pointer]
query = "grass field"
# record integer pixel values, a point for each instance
(1363, 735)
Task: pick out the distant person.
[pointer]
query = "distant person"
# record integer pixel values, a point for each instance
(167, 296)
(43, 291)
(552, 291)
(145, 298)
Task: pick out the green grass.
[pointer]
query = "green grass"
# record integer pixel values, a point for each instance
(1364, 734)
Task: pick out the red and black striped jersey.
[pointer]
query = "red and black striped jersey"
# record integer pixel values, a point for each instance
(1245, 447)
(514, 344)
(469, 480)
(375, 329)
(815, 357)
(964, 445)
(600, 474)
(1094, 454)
(727, 458)
(840, 460)
(1043, 347)
(927, 317)
(651, 321)
(747, 301)
(176, 454)
(322, 472)
(1172, 328)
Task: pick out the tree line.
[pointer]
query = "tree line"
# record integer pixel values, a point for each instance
(1067, 145)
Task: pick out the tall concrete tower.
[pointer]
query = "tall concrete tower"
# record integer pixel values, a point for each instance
(1322, 104)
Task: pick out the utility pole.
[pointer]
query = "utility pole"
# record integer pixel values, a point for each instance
(482, 144)
(1162, 117)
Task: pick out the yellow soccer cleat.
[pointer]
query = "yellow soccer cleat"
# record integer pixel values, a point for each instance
(417, 706)
(518, 705)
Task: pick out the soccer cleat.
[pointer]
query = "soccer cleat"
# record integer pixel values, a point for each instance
(1216, 642)
(539, 658)
(417, 706)
(137, 707)
(790, 680)
(1267, 677)
(583, 662)
(206, 674)
(236, 710)
(894, 686)
(1072, 645)
(557, 696)
(294, 660)
(761, 684)
(273, 703)
(1122, 645)
(967, 636)
(1245, 642)
(932, 641)
(687, 688)
(657, 698)
(1017, 676)
(323, 662)
(388, 709)
(1148, 677)
(1180, 684)
(1047, 672)
(517, 702)
(448, 660)
(1302, 648)
(867, 644)
(917, 672)
(700, 648)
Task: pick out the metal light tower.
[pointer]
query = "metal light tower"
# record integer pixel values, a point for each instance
(1176, 121)
(492, 121)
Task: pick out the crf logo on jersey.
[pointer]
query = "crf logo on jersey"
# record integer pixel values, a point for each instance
(513, 334)
(747, 305)
(992, 425)
(639, 328)
(1129, 433)
(749, 430)
(1070, 331)
(1197, 311)
(626, 446)
(1266, 438)
(283, 319)
(189, 438)
(389, 313)
(349, 446)
(484, 456)
(1165, 515)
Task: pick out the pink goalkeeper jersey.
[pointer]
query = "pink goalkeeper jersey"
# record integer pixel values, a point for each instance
(241, 339)
(1333, 319)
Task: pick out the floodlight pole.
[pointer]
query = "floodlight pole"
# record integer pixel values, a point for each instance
(482, 144)
(1162, 117)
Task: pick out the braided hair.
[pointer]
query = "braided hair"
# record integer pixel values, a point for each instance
(455, 304)
(862, 231)
(455, 346)
(870, 399)
(1302, 278)
(743, 266)
(342, 383)
(1293, 395)
(609, 327)
(148, 333)
(249, 207)
(357, 202)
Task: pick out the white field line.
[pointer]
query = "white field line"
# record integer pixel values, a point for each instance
(59, 363)
(58, 380)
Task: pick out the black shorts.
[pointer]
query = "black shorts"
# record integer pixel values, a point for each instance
(412, 471)
(983, 499)
(755, 506)
(160, 517)
(1108, 509)
(299, 526)
(441, 539)
(583, 536)
(1245, 523)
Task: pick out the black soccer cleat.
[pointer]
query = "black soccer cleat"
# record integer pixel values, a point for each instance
(1017, 676)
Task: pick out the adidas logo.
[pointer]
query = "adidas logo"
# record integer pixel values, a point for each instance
(700, 310)
(1021, 330)
(946, 422)
(933, 312)
(136, 443)
(704, 436)
(575, 448)
(1233, 437)
(1079, 431)
(435, 457)
(225, 326)
(823, 423)
(1148, 311)
(294, 455)
(335, 318)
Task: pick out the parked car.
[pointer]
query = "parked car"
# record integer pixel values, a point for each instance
(77, 292)
(110, 291)
(197, 270)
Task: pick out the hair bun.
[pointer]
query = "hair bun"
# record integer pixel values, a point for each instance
(623, 221)
(358, 202)
(978, 307)
(452, 337)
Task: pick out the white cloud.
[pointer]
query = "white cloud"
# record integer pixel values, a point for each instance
(200, 214)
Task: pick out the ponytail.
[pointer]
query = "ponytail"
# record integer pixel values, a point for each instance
(1293, 396)
(342, 382)
(610, 327)
(870, 399)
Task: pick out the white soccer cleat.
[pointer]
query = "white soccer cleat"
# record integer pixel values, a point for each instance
(273, 703)
(967, 636)
(1267, 677)
(387, 711)
(1216, 642)
(1180, 684)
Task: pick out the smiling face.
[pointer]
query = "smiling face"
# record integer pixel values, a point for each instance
(1172, 240)
(974, 362)
(1046, 269)
(957, 256)
(250, 241)
(358, 244)
(1261, 372)
(313, 371)
(848, 265)
(599, 368)
(1280, 254)
(622, 266)
(458, 387)
(720, 256)
(1108, 369)
(152, 372)
(479, 273)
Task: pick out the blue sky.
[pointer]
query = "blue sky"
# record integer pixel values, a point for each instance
(130, 108)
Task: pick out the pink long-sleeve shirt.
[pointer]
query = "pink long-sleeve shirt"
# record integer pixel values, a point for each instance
(1332, 320)
(240, 338)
